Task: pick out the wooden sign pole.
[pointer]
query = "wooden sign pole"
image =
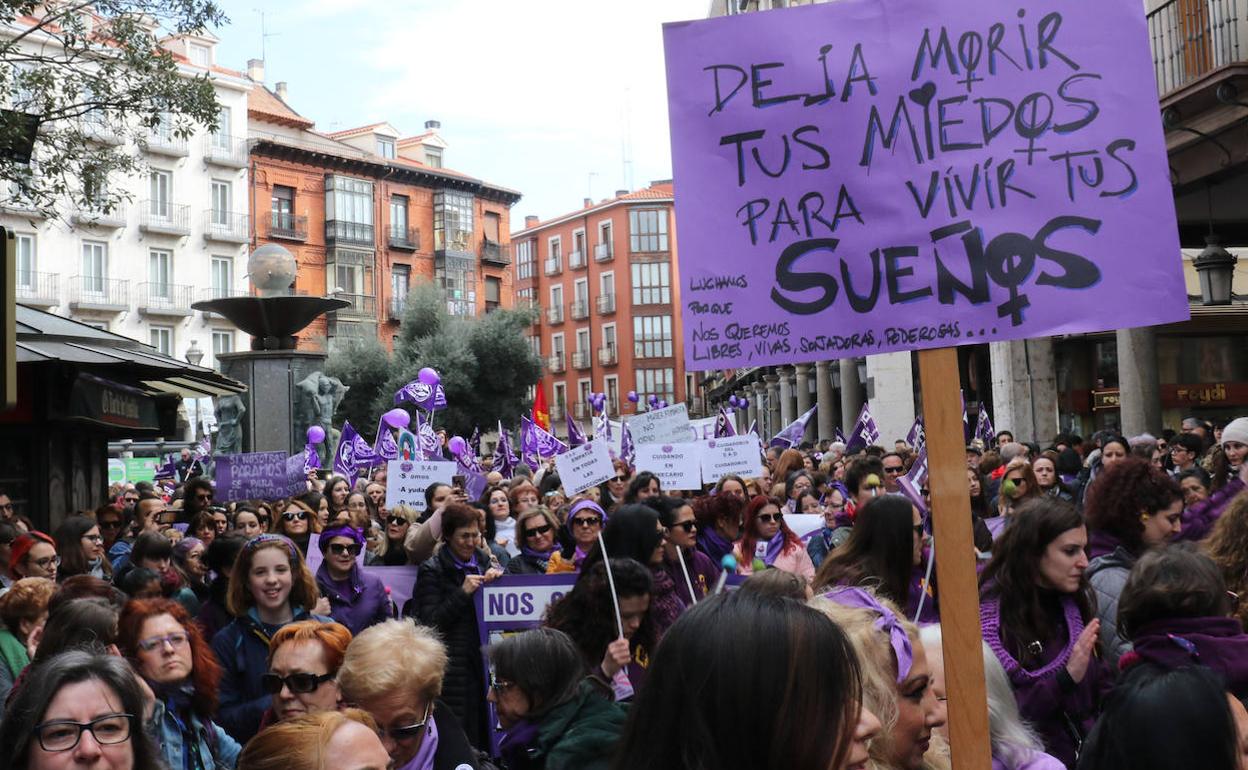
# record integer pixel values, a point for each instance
(955, 567)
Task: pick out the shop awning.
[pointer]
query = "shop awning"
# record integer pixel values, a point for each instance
(46, 337)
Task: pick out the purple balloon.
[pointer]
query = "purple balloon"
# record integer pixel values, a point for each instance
(397, 418)
(457, 445)
(652, 399)
(316, 434)
(662, 404)
(429, 376)
(632, 396)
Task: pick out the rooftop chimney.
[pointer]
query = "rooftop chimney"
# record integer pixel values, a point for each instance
(433, 125)
(531, 221)
(281, 90)
(589, 202)
(255, 70)
(621, 193)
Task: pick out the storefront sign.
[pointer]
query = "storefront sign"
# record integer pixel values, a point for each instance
(867, 176)
(1105, 399)
(1201, 394)
(111, 403)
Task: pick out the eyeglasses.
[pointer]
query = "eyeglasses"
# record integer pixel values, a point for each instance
(204, 496)
(292, 515)
(767, 518)
(537, 531)
(895, 471)
(587, 521)
(687, 526)
(109, 524)
(93, 538)
(1017, 479)
(500, 686)
(299, 683)
(64, 734)
(47, 561)
(412, 731)
(174, 640)
(397, 521)
(338, 549)
(620, 479)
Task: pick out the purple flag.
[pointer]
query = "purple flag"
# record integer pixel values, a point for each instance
(385, 447)
(865, 432)
(967, 433)
(425, 397)
(474, 441)
(723, 424)
(626, 445)
(917, 437)
(792, 435)
(915, 480)
(602, 426)
(753, 428)
(983, 427)
(167, 469)
(311, 458)
(352, 454)
(536, 441)
(837, 435)
(505, 460)
(576, 436)
(427, 439)
(203, 448)
(475, 484)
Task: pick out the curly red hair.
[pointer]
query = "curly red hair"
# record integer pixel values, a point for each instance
(1124, 491)
(205, 672)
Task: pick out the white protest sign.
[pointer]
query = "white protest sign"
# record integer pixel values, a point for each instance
(661, 426)
(702, 428)
(406, 480)
(678, 466)
(737, 455)
(803, 524)
(520, 601)
(584, 466)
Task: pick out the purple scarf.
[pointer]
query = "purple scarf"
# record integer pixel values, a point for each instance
(517, 740)
(468, 567)
(714, 544)
(665, 604)
(578, 556)
(775, 546)
(542, 556)
(990, 620)
(428, 748)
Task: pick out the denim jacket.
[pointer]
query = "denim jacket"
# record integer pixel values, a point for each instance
(217, 749)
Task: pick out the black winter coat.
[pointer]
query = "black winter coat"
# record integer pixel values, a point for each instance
(440, 602)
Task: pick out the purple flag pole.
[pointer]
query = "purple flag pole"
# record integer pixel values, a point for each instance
(576, 436)
(792, 435)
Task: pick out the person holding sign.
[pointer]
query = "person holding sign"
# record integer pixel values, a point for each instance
(555, 717)
(1036, 608)
(617, 652)
(357, 599)
(536, 529)
(698, 574)
(768, 541)
(270, 587)
(443, 600)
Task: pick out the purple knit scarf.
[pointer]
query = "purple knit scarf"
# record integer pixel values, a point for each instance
(468, 567)
(990, 620)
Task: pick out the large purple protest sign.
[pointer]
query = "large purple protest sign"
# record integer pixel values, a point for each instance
(873, 175)
(252, 476)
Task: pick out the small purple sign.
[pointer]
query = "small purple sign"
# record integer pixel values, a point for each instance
(875, 175)
(252, 476)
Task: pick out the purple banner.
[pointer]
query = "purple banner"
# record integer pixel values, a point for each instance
(875, 175)
(251, 476)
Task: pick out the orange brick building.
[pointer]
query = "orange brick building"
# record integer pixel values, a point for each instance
(368, 214)
(606, 281)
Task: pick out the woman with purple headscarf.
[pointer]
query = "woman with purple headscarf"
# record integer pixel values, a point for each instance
(585, 520)
(356, 599)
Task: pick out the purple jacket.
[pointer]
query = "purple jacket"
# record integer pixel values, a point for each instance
(1035, 760)
(1101, 543)
(1219, 643)
(1198, 520)
(358, 605)
(702, 573)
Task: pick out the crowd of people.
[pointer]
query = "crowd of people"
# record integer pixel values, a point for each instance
(167, 630)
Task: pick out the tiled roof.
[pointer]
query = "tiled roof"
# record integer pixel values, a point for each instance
(265, 105)
(179, 58)
(656, 192)
(418, 139)
(356, 131)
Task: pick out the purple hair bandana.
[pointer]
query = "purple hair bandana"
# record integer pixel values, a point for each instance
(356, 536)
(898, 639)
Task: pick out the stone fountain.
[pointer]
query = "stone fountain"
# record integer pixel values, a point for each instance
(286, 390)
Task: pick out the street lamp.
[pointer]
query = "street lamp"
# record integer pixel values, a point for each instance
(194, 354)
(1216, 268)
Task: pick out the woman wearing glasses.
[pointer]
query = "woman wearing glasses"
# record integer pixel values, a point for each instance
(443, 600)
(304, 658)
(536, 530)
(390, 552)
(884, 551)
(356, 599)
(769, 542)
(681, 528)
(33, 554)
(78, 709)
(394, 671)
(585, 520)
(270, 586)
(297, 522)
(168, 651)
(81, 548)
(1018, 485)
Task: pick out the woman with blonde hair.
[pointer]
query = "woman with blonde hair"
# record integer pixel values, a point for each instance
(394, 671)
(390, 552)
(325, 740)
(297, 521)
(896, 677)
(537, 532)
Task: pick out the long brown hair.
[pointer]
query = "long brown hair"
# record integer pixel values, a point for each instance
(1228, 547)
(205, 671)
(303, 590)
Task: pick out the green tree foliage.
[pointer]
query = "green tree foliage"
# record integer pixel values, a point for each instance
(486, 366)
(94, 77)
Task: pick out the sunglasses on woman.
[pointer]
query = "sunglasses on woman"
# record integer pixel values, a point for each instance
(396, 521)
(338, 549)
(587, 521)
(297, 683)
(767, 518)
(293, 515)
(412, 731)
(537, 531)
(687, 526)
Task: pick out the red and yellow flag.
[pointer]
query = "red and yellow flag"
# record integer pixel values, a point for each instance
(541, 414)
